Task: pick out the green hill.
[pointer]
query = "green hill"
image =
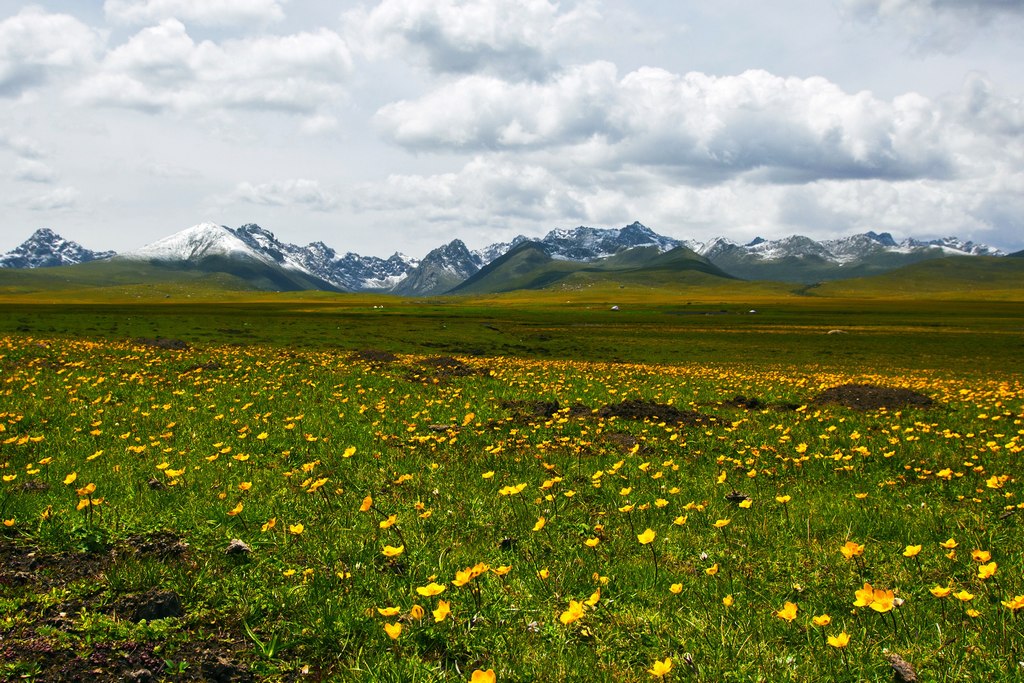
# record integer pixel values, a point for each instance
(528, 266)
(955, 277)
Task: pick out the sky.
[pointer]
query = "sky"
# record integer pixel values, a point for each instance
(399, 125)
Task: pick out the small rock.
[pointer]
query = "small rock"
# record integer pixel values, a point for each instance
(237, 547)
(140, 676)
(901, 669)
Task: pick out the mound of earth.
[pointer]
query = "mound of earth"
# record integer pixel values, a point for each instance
(872, 397)
(635, 409)
(163, 343)
(374, 356)
(526, 409)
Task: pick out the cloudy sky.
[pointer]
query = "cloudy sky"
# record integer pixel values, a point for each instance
(402, 124)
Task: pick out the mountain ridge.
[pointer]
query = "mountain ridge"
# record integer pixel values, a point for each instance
(207, 246)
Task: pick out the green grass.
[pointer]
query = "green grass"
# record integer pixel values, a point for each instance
(265, 408)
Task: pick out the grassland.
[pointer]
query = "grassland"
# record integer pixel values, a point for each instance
(587, 491)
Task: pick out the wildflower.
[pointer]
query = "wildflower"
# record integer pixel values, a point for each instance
(442, 611)
(296, 528)
(987, 571)
(964, 595)
(543, 573)
(416, 612)
(851, 550)
(480, 676)
(1015, 604)
(746, 503)
(388, 611)
(389, 522)
(659, 669)
(822, 620)
(244, 485)
(540, 524)
(940, 591)
(430, 590)
(392, 551)
(573, 613)
(721, 523)
(367, 502)
(646, 537)
(949, 544)
(593, 599)
(680, 520)
(269, 524)
(9, 522)
(512, 490)
(783, 499)
(70, 479)
(788, 612)
(712, 570)
(502, 570)
(676, 588)
(462, 577)
(840, 641)
(487, 475)
(882, 600)
(911, 551)
(393, 630)
(349, 452)
(981, 555)
(235, 510)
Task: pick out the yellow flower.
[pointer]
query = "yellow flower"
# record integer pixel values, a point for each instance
(244, 486)
(82, 504)
(1015, 604)
(911, 551)
(964, 595)
(480, 676)
(712, 570)
(10, 477)
(659, 669)
(646, 537)
(512, 490)
(416, 612)
(388, 611)
(987, 571)
(851, 550)
(430, 590)
(392, 551)
(949, 544)
(444, 608)
(676, 588)
(840, 641)
(680, 520)
(393, 630)
(235, 510)
(981, 555)
(349, 452)
(487, 475)
(788, 612)
(502, 570)
(270, 524)
(822, 620)
(882, 600)
(593, 599)
(721, 523)
(9, 522)
(389, 522)
(727, 600)
(462, 577)
(574, 612)
(70, 479)
(367, 502)
(783, 499)
(592, 542)
(973, 613)
(296, 528)
(543, 573)
(746, 503)
(87, 490)
(940, 591)
(540, 524)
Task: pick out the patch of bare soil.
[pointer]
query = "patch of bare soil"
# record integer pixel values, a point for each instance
(21, 565)
(163, 343)
(872, 397)
(374, 356)
(522, 410)
(443, 368)
(635, 409)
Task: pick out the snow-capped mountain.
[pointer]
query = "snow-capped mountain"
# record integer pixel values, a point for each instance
(586, 244)
(250, 242)
(45, 249)
(257, 256)
(801, 259)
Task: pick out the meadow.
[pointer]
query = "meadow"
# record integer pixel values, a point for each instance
(366, 489)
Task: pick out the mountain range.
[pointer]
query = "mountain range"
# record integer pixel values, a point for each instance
(256, 256)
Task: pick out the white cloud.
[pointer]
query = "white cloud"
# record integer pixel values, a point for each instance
(289, 193)
(515, 38)
(205, 12)
(162, 68)
(58, 199)
(939, 25)
(35, 46)
(33, 171)
(697, 127)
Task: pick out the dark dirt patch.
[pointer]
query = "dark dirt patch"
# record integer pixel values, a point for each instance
(374, 356)
(163, 343)
(162, 544)
(443, 368)
(741, 401)
(208, 366)
(624, 442)
(21, 565)
(528, 409)
(580, 410)
(153, 604)
(635, 409)
(872, 397)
